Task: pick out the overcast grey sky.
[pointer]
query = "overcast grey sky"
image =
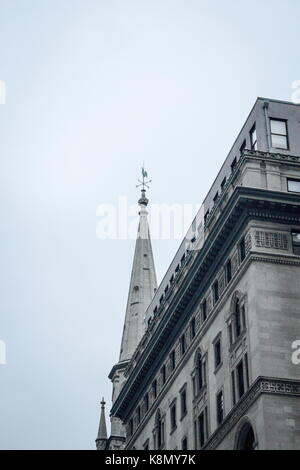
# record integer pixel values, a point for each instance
(93, 88)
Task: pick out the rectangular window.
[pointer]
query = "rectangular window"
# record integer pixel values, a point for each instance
(216, 197)
(204, 310)
(238, 325)
(195, 435)
(193, 328)
(296, 242)
(182, 344)
(220, 407)
(131, 427)
(228, 271)
(242, 250)
(172, 360)
(183, 403)
(293, 185)
(223, 184)
(243, 146)
(247, 370)
(253, 138)
(206, 216)
(194, 383)
(146, 445)
(146, 402)
(233, 164)
(201, 430)
(240, 379)
(154, 389)
(163, 374)
(218, 353)
(233, 387)
(279, 134)
(184, 444)
(173, 417)
(216, 291)
(138, 414)
(230, 334)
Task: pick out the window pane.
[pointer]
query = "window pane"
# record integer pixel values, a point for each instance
(253, 139)
(294, 186)
(279, 141)
(278, 127)
(296, 237)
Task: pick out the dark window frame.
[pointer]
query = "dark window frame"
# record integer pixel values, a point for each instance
(224, 181)
(228, 269)
(295, 180)
(285, 121)
(193, 328)
(243, 146)
(295, 244)
(218, 352)
(183, 402)
(184, 443)
(233, 164)
(204, 310)
(253, 142)
(172, 360)
(154, 389)
(242, 249)
(173, 417)
(163, 374)
(220, 404)
(216, 294)
(182, 344)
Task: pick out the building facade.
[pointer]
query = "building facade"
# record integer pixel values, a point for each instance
(212, 366)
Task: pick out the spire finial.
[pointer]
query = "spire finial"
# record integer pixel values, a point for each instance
(102, 432)
(143, 183)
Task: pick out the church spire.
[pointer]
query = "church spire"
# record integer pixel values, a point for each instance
(102, 432)
(142, 288)
(143, 282)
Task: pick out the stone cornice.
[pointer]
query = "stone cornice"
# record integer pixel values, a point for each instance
(244, 204)
(262, 385)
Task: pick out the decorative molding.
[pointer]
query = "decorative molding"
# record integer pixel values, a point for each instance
(260, 386)
(275, 240)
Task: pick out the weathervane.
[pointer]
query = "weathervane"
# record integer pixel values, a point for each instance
(144, 183)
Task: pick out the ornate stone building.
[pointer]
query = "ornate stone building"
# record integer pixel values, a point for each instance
(206, 358)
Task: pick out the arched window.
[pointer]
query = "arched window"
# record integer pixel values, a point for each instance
(198, 376)
(246, 437)
(237, 318)
(199, 372)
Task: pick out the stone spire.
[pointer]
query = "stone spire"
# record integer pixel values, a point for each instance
(142, 285)
(101, 440)
(141, 291)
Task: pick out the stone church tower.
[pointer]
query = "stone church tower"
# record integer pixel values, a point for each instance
(143, 285)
